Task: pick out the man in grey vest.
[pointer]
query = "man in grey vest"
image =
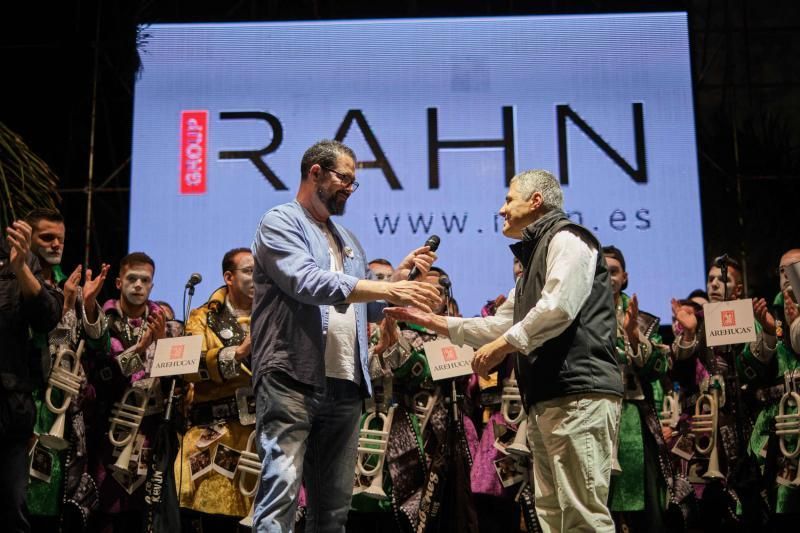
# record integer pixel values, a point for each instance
(563, 330)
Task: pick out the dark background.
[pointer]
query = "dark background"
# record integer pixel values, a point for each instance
(57, 56)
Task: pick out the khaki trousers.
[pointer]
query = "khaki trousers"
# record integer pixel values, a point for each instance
(572, 441)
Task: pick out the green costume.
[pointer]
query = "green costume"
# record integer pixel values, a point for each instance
(787, 499)
(641, 373)
(44, 497)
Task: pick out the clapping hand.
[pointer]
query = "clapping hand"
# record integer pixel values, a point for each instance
(18, 236)
(764, 317)
(685, 317)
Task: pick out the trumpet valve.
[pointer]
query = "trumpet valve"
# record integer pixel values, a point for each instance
(787, 425)
(249, 464)
(511, 402)
(372, 445)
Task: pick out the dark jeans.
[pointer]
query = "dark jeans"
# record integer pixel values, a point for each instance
(305, 435)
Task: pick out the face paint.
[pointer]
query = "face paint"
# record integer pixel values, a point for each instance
(47, 241)
(52, 257)
(137, 282)
(789, 258)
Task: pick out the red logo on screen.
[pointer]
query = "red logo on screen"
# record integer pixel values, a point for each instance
(728, 318)
(194, 142)
(449, 353)
(176, 352)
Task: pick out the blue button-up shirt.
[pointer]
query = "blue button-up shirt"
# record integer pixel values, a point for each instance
(294, 287)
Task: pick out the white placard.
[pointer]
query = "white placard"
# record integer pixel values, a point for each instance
(177, 355)
(730, 322)
(447, 360)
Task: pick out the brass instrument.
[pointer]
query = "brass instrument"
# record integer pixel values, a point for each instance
(514, 413)
(68, 381)
(249, 464)
(788, 424)
(424, 401)
(372, 444)
(511, 402)
(126, 418)
(671, 408)
(705, 423)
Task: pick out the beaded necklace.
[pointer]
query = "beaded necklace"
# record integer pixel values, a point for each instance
(130, 335)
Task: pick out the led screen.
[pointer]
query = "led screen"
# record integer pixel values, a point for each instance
(441, 114)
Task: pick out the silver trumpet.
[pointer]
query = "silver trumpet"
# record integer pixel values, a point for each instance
(372, 444)
(787, 425)
(511, 402)
(707, 424)
(424, 401)
(125, 419)
(514, 413)
(68, 381)
(671, 409)
(249, 464)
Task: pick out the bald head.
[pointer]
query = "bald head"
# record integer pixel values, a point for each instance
(790, 257)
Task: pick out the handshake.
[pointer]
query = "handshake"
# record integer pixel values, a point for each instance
(400, 290)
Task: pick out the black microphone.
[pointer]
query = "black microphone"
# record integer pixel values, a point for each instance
(447, 285)
(194, 279)
(721, 263)
(433, 244)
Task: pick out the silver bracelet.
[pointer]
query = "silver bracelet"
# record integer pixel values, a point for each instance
(679, 343)
(228, 365)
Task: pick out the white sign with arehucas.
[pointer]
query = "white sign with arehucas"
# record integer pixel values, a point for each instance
(447, 360)
(177, 355)
(730, 322)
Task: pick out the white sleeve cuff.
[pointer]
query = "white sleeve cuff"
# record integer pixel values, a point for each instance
(517, 338)
(455, 329)
(94, 330)
(228, 365)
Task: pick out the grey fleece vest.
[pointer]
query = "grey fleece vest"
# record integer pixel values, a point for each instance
(582, 358)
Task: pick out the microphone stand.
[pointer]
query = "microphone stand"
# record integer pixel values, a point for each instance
(737, 406)
(188, 289)
(454, 396)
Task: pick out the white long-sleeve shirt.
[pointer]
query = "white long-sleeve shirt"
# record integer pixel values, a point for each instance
(570, 273)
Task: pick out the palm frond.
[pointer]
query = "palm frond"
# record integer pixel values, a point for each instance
(26, 182)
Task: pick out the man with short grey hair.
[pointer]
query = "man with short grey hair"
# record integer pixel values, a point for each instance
(563, 330)
(541, 181)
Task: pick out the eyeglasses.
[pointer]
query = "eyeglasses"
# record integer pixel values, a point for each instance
(347, 181)
(247, 271)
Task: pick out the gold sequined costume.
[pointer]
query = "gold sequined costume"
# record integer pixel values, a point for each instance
(215, 388)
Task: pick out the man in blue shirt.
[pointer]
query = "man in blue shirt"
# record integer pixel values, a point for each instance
(309, 330)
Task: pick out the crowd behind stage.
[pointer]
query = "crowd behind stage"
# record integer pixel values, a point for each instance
(708, 437)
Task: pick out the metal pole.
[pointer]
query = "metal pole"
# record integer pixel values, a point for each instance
(92, 132)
